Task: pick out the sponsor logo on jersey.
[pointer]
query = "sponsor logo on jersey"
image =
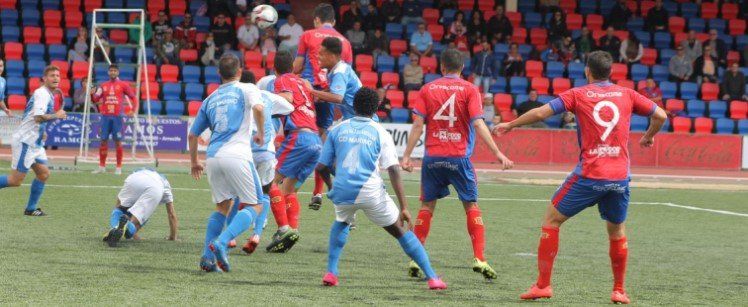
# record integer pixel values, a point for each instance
(604, 150)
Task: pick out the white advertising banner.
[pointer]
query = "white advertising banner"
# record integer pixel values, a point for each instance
(7, 127)
(745, 152)
(400, 134)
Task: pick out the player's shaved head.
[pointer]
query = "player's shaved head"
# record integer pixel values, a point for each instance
(283, 62)
(228, 67)
(247, 77)
(366, 102)
(598, 65)
(451, 61)
(325, 13)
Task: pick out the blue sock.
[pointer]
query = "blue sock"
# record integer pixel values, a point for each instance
(3, 181)
(410, 244)
(233, 211)
(260, 220)
(338, 237)
(130, 230)
(242, 221)
(37, 188)
(215, 226)
(114, 217)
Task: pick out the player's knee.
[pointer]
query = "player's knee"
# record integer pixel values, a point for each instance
(430, 206)
(470, 206)
(616, 231)
(15, 180)
(42, 176)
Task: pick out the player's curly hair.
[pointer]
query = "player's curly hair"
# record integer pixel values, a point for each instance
(366, 102)
(247, 77)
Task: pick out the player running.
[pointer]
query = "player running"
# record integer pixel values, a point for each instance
(357, 149)
(451, 109)
(27, 147)
(110, 97)
(229, 113)
(603, 111)
(307, 63)
(297, 155)
(141, 194)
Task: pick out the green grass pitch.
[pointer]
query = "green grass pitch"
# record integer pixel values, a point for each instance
(677, 256)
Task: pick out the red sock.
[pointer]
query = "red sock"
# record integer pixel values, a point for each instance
(547, 250)
(119, 155)
(318, 183)
(292, 210)
(423, 225)
(278, 206)
(477, 232)
(103, 150)
(619, 252)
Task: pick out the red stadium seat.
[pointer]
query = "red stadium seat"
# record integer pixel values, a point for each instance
(519, 35)
(709, 91)
(80, 70)
(541, 85)
(437, 31)
(253, 59)
(270, 61)
(465, 5)
(515, 18)
(8, 4)
(53, 36)
(574, 21)
(597, 34)
(430, 16)
(64, 67)
(650, 56)
(538, 36)
(118, 36)
(364, 62)
(646, 6)
(732, 57)
(681, 125)
(413, 98)
(626, 83)
(507, 116)
(633, 6)
(487, 14)
(679, 37)
(595, 22)
(738, 109)
(676, 24)
(737, 26)
(90, 5)
(177, 7)
(398, 47)
(13, 51)
(153, 88)
(397, 98)
(486, 5)
(71, 5)
(32, 35)
(155, 5)
(369, 79)
(188, 55)
(622, 35)
(73, 19)
(391, 78)
(428, 64)
(344, 8)
(729, 11)
(560, 85)
(641, 84)
(169, 73)
(193, 107)
(152, 70)
(534, 69)
(502, 102)
(34, 83)
(703, 125)
(674, 105)
(52, 18)
(17, 102)
(568, 6)
(211, 88)
(709, 10)
(259, 72)
(618, 71)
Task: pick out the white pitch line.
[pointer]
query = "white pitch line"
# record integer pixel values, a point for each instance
(450, 198)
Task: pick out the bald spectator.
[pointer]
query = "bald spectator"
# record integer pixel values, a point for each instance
(611, 43)
(719, 48)
(289, 35)
(733, 85)
(691, 45)
(248, 34)
(421, 42)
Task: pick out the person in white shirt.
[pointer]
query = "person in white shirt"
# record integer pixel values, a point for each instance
(248, 34)
(289, 35)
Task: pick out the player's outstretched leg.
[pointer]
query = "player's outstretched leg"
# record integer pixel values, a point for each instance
(547, 250)
(259, 224)
(216, 221)
(338, 237)
(618, 257)
(414, 249)
(242, 221)
(287, 218)
(421, 231)
(476, 230)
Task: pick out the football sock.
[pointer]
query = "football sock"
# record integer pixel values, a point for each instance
(3, 181)
(114, 217)
(242, 221)
(547, 250)
(292, 210)
(130, 230)
(619, 252)
(477, 232)
(338, 237)
(263, 216)
(215, 226)
(233, 211)
(103, 151)
(423, 225)
(414, 249)
(318, 183)
(37, 188)
(119, 155)
(278, 206)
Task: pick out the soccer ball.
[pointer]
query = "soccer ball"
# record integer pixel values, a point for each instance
(264, 16)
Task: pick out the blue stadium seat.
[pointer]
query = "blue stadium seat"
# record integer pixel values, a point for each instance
(210, 73)
(194, 91)
(727, 38)
(190, 74)
(176, 20)
(644, 37)
(280, 23)
(124, 54)
(400, 115)
(448, 16)
(662, 40)
(438, 48)
(554, 122)
(718, 24)
(743, 126)
(127, 73)
(430, 77)
(282, 7)
(524, 50)
(194, 6)
(501, 49)
(172, 91)
(174, 107)
(578, 82)
(14, 69)
(16, 86)
(136, 4)
(156, 107)
(660, 73)
(394, 30)
(519, 99)
(385, 63)
(88, 19)
(35, 52)
(11, 34)
(689, 10)
(202, 23)
(576, 34)
(9, 18)
(149, 53)
(545, 98)
(741, 41)
(50, 5)
(696, 108)
(30, 17)
(533, 20)
(71, 34)
(606, 7)
(725, 126)
(671, 7)
(576, 70)
(116, 17)
(114, 4)
(28, 4)
(57, 52)
(410, 29)
(639, 123)
(554, 70)
(67, 103)
(403, 60)
(585, 7)
(666, 55)
(36, 68)
(466, 67)
(639, 72)
(668, 89)
(718, 109)
(101, 72)
(688, 90)
(635, 24)
(526, 6)
(498, 87)
(696, 24)
(518, 85)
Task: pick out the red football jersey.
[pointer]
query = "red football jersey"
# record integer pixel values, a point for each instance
(309, 45)
(113, 92)
(448, 106)
(303, 115)
(603, 111)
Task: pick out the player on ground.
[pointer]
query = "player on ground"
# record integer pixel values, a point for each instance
(297, 155)
(228, 113)
(451, 108)
(308, 65)
(603, 111)
(357, 149)
(110, 97)
(27, 147)
(142, 192)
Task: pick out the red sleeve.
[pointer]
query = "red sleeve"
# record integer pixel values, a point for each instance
(347, 55)
(281, 85)
(302, 44)
(642, 105)
(569, 100)
(419, 107)
(128, 91)
(475, 104)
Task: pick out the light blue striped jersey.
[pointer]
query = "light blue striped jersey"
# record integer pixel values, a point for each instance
(274, 105)
(29, 131)
(344, 82)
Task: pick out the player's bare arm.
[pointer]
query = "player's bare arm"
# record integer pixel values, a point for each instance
(326, 174)
(257, 111)
(397, 185)
(298, 65)
(196, 167)
(4, 108)
(485, 135)
(173, 222)
(415, 134)
(60, 114)
(657, 120)
(532, 116)
(327, 96)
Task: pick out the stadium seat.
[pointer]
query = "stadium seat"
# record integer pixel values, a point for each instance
(676, 24)
(35, 52)
(400, 115)
(30, 17)
(394, 30)
(576, 70)
(649, 57)
(152, 70)
(156, 107)
(390, 78)
(369, 79)
(618, 71)
(36, 68)
(385, 63)
(660, 73)
(498, 86)
(709, 91)
(414, 97)
(560, 85)
(430, 16)
(124, 54)
(578, 82)
(179, 7)
(644, 37)
(80, 69)
(533, 69)
(662, 40)
(52, 18)
(718, 109)
(689, 10)
(696, 108)
(172, 91)
(668, 89)
(189, 55)
(259, 72)
(270, 61)
(555, 69)
(14, 68)
(541, 85)
(594, 22)
(73, 19)
(674, 105)
(538, 36)
(718, 24)
(554, 122)
(193, 107)
(729, 10)
(8, 17)
(518, 85)
(688, 90)
(709, 10)
(725, 126)
(101, 72)
(519, 35)
(32, 35)
(194, 91)
(738, 109)
(191, 74)
(17, 102)
(639, 72)
(533, 20)
(515, 18)
(252, 59)
(11, 34)
(153, 90)
(429, 64)
(502, 102)
(626, 83)
(737, 27)
(639, 123)
(398, 47)
(169, 73)
(397, 98)
(118, 36)
(703, 125)
(127, 73)
(53, 36)
(364, 62)
(430, 77)
(697, 24)
(15, 86)
(743, 126)
(574, 21)
(681, 125)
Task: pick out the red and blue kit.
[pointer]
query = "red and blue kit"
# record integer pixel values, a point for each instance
(112, 99)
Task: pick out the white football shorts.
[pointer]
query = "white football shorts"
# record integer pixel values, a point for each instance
(141, 194)
(266, 171)
(232, 177)
(23, 156)
(382, 214)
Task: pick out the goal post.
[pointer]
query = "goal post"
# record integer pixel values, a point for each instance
(142, 133)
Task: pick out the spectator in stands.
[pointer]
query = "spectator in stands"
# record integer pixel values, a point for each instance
(373, 20)
(268, 42)
(568, 51)
(745, 54)
(413, 73)
(585, 44)
(289, 35)
(223, 33)
(161, 25)
(719, 48)
(100, 50)
(653, 92)
(680, 66)
(391, 11)
(528, 105)
(377, 43)
(412, 12)
(705, 67)
(209, 51)
(240, 7)
(488, 110)
(79, 47)
(692, 45)
(549, 6)
(357, 37)
(496, 119)
(631, 50)
(499, 27)
(134, 33)
(248, 35)
(457, 38)
(733, 84)
(218, 7)
(476, 28)
(514, 64)
(446, 5)
(167, 50)
(79, 97)
(421, 42)
(3, 106)
(611, 43)
(657, 17)
(384, 103)
(459, 16)
(484, 66)
(619, 15)
(186, 32)
(568, 121)
(350, 17)
(557, 28)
